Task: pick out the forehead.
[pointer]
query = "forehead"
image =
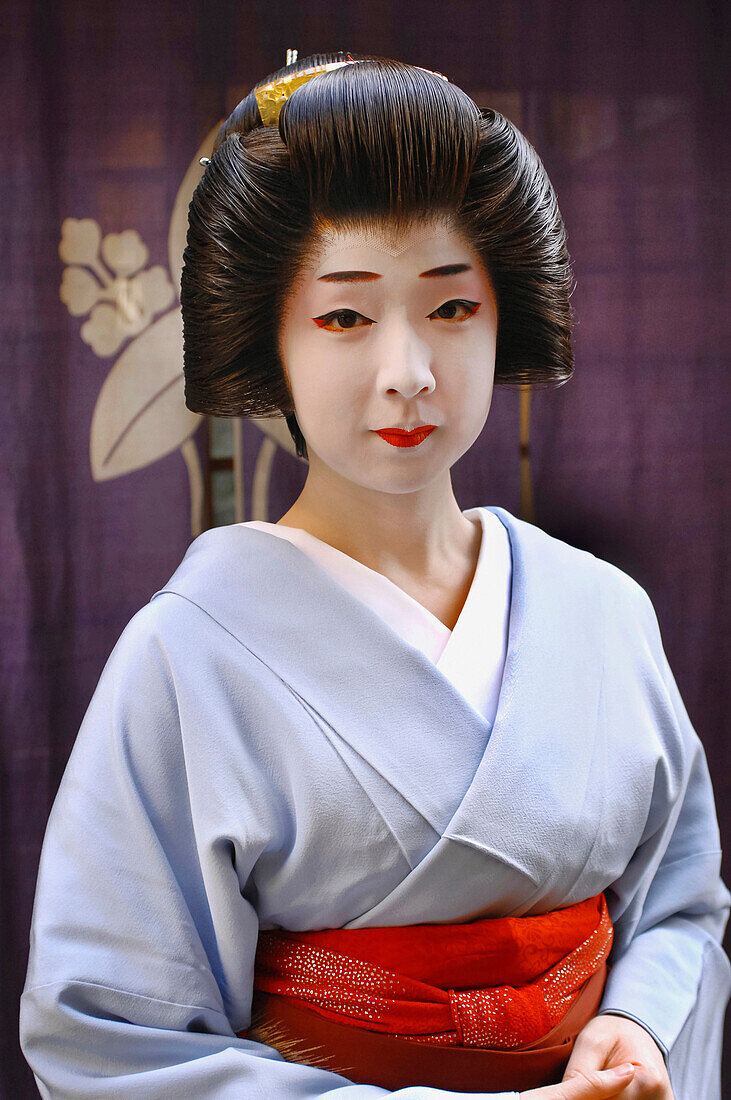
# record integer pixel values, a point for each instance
(434, 238)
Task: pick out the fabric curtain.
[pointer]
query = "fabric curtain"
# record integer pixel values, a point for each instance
(106, 109)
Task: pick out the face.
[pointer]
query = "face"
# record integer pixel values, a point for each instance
(390, 332)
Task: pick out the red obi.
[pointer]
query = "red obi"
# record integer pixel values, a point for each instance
(490, 1005)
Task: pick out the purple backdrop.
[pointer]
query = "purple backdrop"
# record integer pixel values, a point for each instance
(104, 107)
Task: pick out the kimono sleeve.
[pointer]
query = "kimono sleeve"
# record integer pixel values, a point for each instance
(668, 970)
(121, 997)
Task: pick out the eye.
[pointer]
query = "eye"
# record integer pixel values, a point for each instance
(450, 311)
(345, 318)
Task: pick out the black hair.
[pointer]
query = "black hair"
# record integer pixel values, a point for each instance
(354, 146)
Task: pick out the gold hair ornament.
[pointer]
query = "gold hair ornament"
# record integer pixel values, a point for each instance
(272, 97)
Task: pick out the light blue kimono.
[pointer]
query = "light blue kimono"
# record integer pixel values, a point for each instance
(263, 749)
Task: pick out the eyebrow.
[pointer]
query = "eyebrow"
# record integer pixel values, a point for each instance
(368, 276)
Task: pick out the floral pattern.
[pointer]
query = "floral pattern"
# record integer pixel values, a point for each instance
(105, 278)
(140, 414)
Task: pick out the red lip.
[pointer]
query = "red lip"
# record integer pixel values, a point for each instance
(399, 438)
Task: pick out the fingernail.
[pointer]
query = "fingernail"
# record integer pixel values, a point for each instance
(625, 1070)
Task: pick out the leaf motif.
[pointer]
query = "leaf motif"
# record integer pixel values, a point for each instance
(80, 240)
(140, 413)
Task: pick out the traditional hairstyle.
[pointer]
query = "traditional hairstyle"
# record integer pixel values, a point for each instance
(354, 146)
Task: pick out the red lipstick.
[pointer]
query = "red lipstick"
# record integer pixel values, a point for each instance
(399, 438)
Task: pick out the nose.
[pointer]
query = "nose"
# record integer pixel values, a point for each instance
(406, 361)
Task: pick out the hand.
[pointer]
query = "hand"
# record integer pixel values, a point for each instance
(608, 1041)
(594, 1084)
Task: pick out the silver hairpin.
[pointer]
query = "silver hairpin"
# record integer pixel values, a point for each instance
(291, 58)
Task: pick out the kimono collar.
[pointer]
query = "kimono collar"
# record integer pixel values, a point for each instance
(397, 710)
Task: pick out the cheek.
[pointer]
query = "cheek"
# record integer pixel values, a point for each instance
(329, 398)
(469, 384)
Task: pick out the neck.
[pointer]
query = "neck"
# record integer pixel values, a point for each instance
(417, 534)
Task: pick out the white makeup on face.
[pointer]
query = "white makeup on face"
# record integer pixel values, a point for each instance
(386, 333)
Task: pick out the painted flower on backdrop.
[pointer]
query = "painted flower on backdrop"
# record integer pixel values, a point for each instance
(140, 415)
(105, 278)
(133, 312)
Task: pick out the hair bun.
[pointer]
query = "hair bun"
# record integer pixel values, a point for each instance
(380, 137)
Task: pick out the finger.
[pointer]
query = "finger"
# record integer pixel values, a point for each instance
(596, 1084)
(590, 1053)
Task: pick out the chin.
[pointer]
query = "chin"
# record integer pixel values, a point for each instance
(406, 482)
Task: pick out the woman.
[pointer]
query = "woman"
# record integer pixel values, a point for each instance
(416, 782)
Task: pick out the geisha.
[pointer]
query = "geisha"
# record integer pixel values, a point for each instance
(387, 797)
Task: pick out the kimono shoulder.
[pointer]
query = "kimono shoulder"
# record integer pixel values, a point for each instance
(233, 572)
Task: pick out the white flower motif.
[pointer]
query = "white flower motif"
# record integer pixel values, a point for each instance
(155, 289)
(79, 290)
(80, 240)
(136, 300)
(121, 304)
(124, 252)
(105, 330)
